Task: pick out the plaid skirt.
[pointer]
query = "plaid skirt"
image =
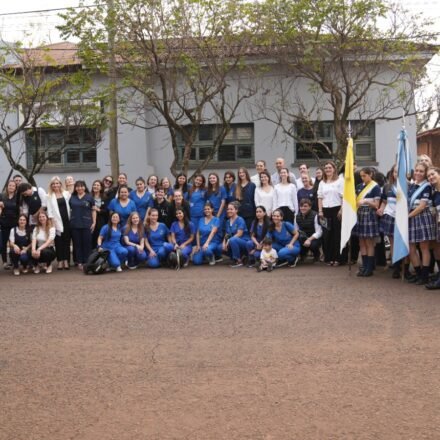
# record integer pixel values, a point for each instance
(367, 225)
(422, 227)
(386, 225)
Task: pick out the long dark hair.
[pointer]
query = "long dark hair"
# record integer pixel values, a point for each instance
(80, 183)
(186, 225)
(272, 224)
(193, 187)
(238, 188)
(228, 173)
(108, 236)
(184, 186)
(266, 222)
(101, 191)
(27, 228)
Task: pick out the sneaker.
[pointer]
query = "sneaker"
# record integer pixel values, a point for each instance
(49, 269)
(132, 267)
(294, 263)
(218, 259)
(17, 272)
(212, 261)
(186, 263)
(7, 266)
(37, 269)
(25, 270)
(238, 263)
(270, 268)
(119, 269)
(259, 269)
(282, 264)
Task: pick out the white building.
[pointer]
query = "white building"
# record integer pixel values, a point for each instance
(143, 152)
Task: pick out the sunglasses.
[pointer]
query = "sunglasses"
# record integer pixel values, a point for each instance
(108, 181)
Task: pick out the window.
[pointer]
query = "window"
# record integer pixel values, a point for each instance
(60, 148)
(318, 139)
(238, 145)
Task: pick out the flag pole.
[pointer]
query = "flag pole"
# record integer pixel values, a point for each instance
(349, 240)
(402, 268)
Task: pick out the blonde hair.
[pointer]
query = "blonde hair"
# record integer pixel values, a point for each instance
(48, 223)
(53, 180)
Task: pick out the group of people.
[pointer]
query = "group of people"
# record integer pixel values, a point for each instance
(265, 220)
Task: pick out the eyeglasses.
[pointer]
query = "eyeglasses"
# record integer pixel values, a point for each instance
(108, 181)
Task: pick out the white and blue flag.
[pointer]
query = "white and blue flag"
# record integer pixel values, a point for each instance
(401, 241)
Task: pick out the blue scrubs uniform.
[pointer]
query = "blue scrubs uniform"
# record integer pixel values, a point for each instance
(123, 211)
(158, 240)
(257, 230)
(197, 201)
(181, 236)
(118, 253)
(282, 238)
(236, 245)
(134, 256)
(142, 203)
(216, 199)
(204, 231)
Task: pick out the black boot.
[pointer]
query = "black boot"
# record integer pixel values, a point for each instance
(370, 266)
(396, 270)
(424, 276)
(435, 285)
(363, 267)
(416, 276)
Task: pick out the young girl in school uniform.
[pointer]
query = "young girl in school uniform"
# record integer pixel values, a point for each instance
(134, 240)
(420, 224)
(367, 226)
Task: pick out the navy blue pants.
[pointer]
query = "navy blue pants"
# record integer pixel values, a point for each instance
(82, 244)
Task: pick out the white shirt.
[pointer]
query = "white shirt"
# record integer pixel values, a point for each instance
(285, 195)
(269, 257)
(25, 208)
(53, 210)
(275, 178)
(264, 198)
(331, 193)
(256, 179)
(41, 236)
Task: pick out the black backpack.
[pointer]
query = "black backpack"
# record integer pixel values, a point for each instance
(97, 262)
(175, 260)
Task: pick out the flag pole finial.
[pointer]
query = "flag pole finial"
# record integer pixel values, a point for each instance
(349, 129)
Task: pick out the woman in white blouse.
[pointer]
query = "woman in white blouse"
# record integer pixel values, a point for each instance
(58, 211)
(330, 192)
(264, 193)
(285, 197)
(42, 251)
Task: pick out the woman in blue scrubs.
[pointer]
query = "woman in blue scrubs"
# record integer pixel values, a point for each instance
(197, 198)
(141, 198)
(122, 205)
(156, 240)
(236, 235)
(284, 239)
(110, 239)
(258, 232)
(209, 237)
(182, 232)
(229, 186)
(134, 240)
(216, 194)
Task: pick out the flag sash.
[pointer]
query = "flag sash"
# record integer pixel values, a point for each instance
(416, 194)
(365, 191)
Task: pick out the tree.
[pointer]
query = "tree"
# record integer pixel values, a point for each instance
(43, 94)
(176, 63)
(357, 59)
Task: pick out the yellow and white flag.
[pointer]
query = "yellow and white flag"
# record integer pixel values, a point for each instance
(349, 209)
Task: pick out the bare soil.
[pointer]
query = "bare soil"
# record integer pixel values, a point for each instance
(218, 353)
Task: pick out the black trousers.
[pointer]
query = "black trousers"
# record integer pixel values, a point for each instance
(82, 244)
(288, 215)
(62, 245)
(332, 235)
(314, 247)
(47, 255)
(5, 231)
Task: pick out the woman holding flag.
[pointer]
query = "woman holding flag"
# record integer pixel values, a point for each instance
(420, 224)
(367, 227)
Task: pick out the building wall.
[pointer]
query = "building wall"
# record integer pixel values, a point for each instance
(143, 152)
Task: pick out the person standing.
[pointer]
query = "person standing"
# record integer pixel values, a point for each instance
(122, 204)
(229, 185)
(82, 222)
(367, 227)
(101, 208)
(163, 207)
(58, 210)
(279, 165)
(264, 193)
(31, 201)
(245, 194)
(8, 217)
(142, 198)
(197, 198)
(285, 197)
(260, 166)
(330, 193)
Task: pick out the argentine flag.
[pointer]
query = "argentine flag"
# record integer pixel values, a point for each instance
(401, 241)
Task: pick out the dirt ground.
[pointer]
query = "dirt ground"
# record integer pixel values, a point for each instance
(218, 353)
